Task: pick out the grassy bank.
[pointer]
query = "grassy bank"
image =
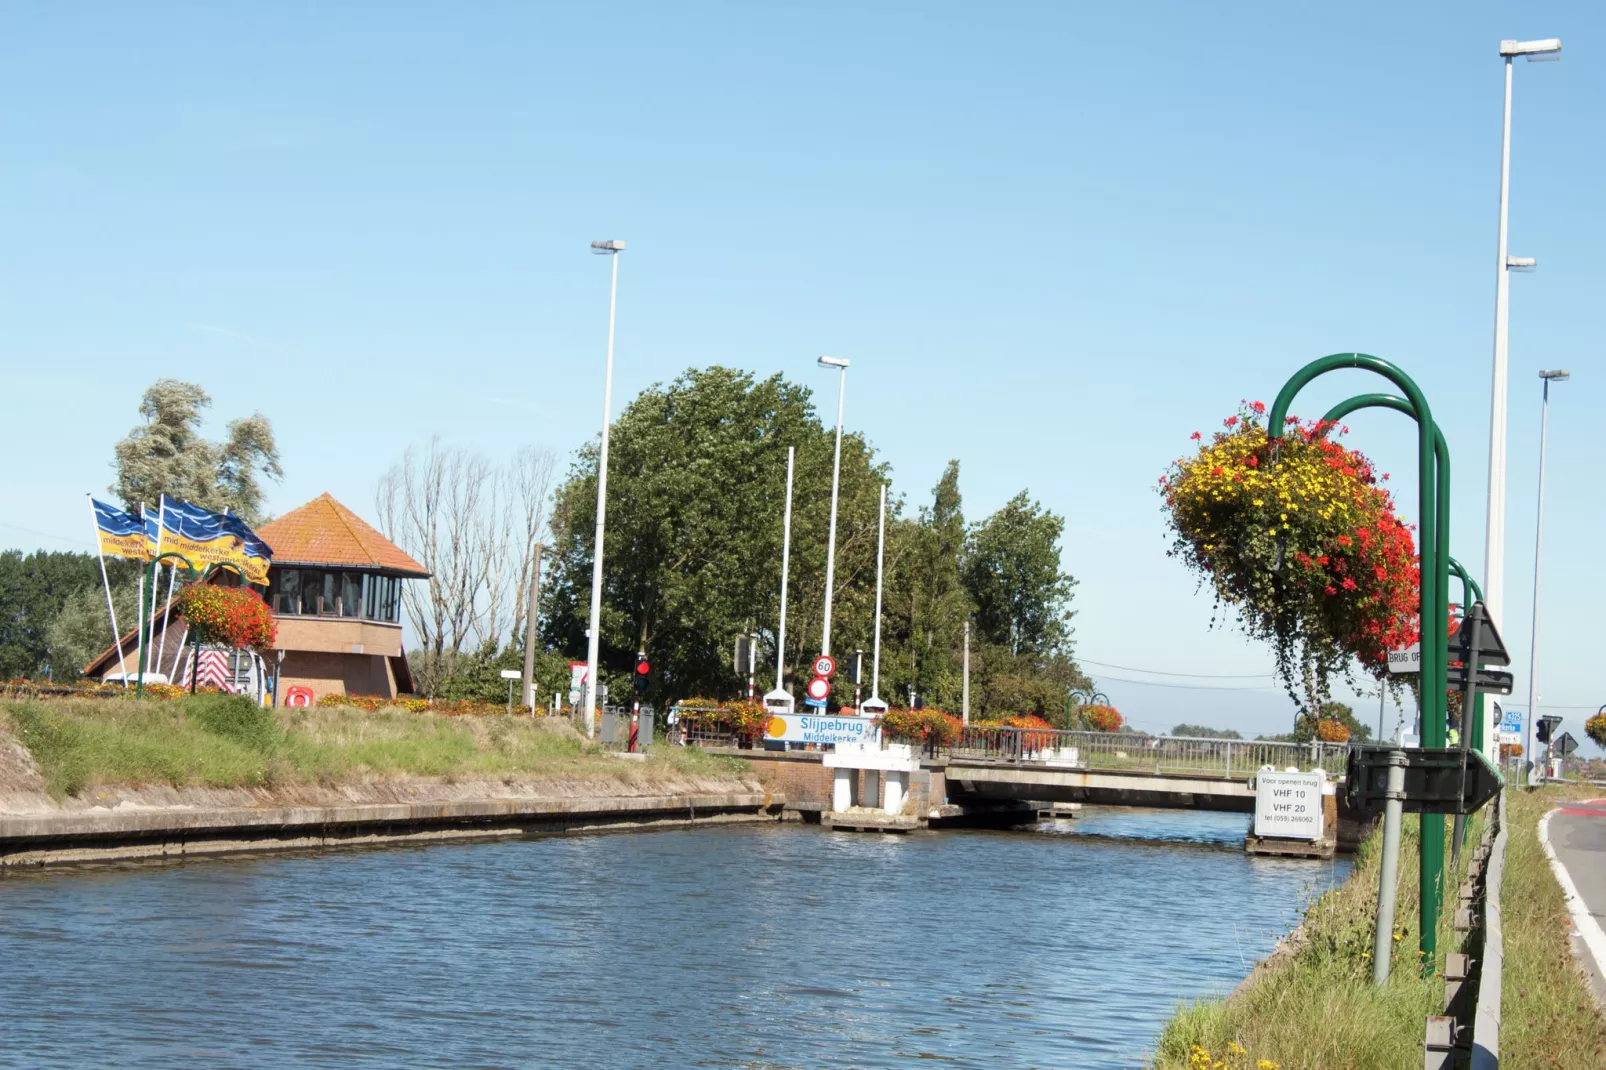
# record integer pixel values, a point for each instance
(1546, 1016)
(221, 742)
(1314, 1006)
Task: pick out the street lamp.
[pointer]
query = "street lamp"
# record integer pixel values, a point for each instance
(1494, 549)
(1559, 375)
(610, 249)
(836, 480)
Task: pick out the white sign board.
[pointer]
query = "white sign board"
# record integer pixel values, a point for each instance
(1407, 660)
(817, 728)
(1289, 805)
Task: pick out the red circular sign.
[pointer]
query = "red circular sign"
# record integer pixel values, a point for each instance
(819, 687)
(824, 665)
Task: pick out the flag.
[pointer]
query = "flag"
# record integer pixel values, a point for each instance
(122, 535)
(208, 538)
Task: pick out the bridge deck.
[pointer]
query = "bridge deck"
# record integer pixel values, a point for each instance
(1120, 787)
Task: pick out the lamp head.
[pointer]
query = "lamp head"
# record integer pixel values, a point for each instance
(1547, 49)
(832, 362)
(605, 248)
(1558, 375)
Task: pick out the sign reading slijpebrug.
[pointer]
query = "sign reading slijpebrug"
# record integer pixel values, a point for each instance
(816, 728)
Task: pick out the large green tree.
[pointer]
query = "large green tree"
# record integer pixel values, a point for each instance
(1013, 574)
(167, 455)
(696, 494)
(33, 589)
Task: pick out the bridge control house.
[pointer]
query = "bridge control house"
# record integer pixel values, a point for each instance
(335, 588)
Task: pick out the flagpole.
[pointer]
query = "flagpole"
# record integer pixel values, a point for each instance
(161, 529)
(172, 578)
(111, 610)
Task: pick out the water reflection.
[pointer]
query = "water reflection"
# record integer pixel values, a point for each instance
(752, 946)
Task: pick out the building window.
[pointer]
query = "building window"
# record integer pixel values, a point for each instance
(284, 594)
(351, 594)
(320, 593)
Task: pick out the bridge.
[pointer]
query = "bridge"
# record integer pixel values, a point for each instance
(1119, 768)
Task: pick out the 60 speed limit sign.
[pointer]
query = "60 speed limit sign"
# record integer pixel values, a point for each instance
(824, 665)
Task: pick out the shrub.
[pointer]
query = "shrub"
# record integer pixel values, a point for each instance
(233, 717)
(1102, 718)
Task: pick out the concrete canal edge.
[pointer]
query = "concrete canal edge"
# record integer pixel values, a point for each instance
(120, 835)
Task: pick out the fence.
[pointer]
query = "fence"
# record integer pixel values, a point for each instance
(1226, 758)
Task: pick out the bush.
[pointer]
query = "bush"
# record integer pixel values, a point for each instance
(1102, 718)
(234, 717)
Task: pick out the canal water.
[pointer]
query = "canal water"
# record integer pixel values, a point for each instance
(760, 946)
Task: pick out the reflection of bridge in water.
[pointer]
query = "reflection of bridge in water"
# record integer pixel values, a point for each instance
(1118, 768)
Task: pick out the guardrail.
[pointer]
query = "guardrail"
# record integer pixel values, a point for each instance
(1226, 758)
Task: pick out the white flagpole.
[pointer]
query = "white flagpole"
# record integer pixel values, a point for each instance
(172, 578)
(786, 560)
(161, 529)
(111, 610)
(179, 660)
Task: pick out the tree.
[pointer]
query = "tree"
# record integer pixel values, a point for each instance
(1305, 725)
(81, 629)
(1013, 575)
(696, 496)
(33, 590)
(473, 526)
(167, 455)
(1199, 731)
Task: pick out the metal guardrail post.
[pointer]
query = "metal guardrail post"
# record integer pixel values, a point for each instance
(1486, 1015)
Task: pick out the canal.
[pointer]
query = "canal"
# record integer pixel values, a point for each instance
(745, 946)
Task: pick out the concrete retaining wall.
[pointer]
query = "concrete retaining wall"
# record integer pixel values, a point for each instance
(89, 836)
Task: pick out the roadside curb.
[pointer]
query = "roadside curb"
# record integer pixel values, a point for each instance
(1584, 923)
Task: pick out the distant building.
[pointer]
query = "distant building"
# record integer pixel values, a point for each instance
(335, 588)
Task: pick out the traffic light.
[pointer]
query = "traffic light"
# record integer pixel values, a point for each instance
(744, 656)
(642, 672)
(1545, 727)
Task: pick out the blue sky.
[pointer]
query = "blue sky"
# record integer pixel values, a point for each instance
(1053, 239)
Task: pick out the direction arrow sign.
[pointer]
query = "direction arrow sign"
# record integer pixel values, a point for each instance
(1433, 783)
(1565, 744)
(825, 665)
(1491, 650)
(1490, 681)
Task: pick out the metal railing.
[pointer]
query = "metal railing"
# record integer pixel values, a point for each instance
(1226, 758)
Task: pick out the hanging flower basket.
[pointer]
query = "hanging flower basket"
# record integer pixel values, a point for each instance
(1308, 551)
(1101, 718)
(1595, 729)
(228, 616)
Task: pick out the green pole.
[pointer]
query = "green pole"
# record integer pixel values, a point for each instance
(1432, 609)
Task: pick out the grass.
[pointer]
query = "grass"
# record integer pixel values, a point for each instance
(219, 741)
(1317, 1008)
(1547, 1017)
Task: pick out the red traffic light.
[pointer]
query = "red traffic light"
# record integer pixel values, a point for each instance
(643, 668)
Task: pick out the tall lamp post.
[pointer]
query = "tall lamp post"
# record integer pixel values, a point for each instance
(611, 249)
(1494, 553)
(1559, 375)
(836, 480)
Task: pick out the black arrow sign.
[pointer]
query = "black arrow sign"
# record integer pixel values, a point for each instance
(1433, 783)
(1491, 649)
(1490, 681)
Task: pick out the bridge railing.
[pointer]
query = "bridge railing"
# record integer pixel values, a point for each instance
(1227, 758)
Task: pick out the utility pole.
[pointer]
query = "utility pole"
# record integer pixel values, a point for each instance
(964, 701)
(531, 631)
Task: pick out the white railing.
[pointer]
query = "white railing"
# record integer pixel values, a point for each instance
(1226, 758)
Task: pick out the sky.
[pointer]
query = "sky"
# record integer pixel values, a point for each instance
(1053, 240)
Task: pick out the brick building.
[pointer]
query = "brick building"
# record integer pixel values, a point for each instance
(335, 588)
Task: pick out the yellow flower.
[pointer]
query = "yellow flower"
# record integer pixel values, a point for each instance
(1265, 1064)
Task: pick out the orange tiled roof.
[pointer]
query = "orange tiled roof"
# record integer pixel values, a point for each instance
(324, 532)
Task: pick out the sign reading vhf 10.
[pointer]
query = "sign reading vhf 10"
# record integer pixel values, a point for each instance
(818, 693)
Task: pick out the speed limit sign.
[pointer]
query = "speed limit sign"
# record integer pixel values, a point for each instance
(824, 665)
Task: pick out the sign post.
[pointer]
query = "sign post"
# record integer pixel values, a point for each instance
(510, 675)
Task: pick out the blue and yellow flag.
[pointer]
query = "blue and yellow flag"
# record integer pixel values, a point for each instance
(208, 538)
(121, 535)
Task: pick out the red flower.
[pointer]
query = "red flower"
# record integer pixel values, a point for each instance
(1230, 421)
(1254, 462)
(1258, 406)
(1195, 436)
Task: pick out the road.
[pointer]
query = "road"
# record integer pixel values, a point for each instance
(1577, 834)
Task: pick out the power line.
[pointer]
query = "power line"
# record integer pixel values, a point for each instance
(1190, 675)
(1184, 687)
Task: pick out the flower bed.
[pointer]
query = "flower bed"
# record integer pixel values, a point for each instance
(414, 704)
(743, 721)
(920, 726)
(24, 688)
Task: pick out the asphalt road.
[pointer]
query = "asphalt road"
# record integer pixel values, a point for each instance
(1578, 836)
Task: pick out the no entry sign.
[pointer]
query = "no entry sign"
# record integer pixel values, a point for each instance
(824, 665)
